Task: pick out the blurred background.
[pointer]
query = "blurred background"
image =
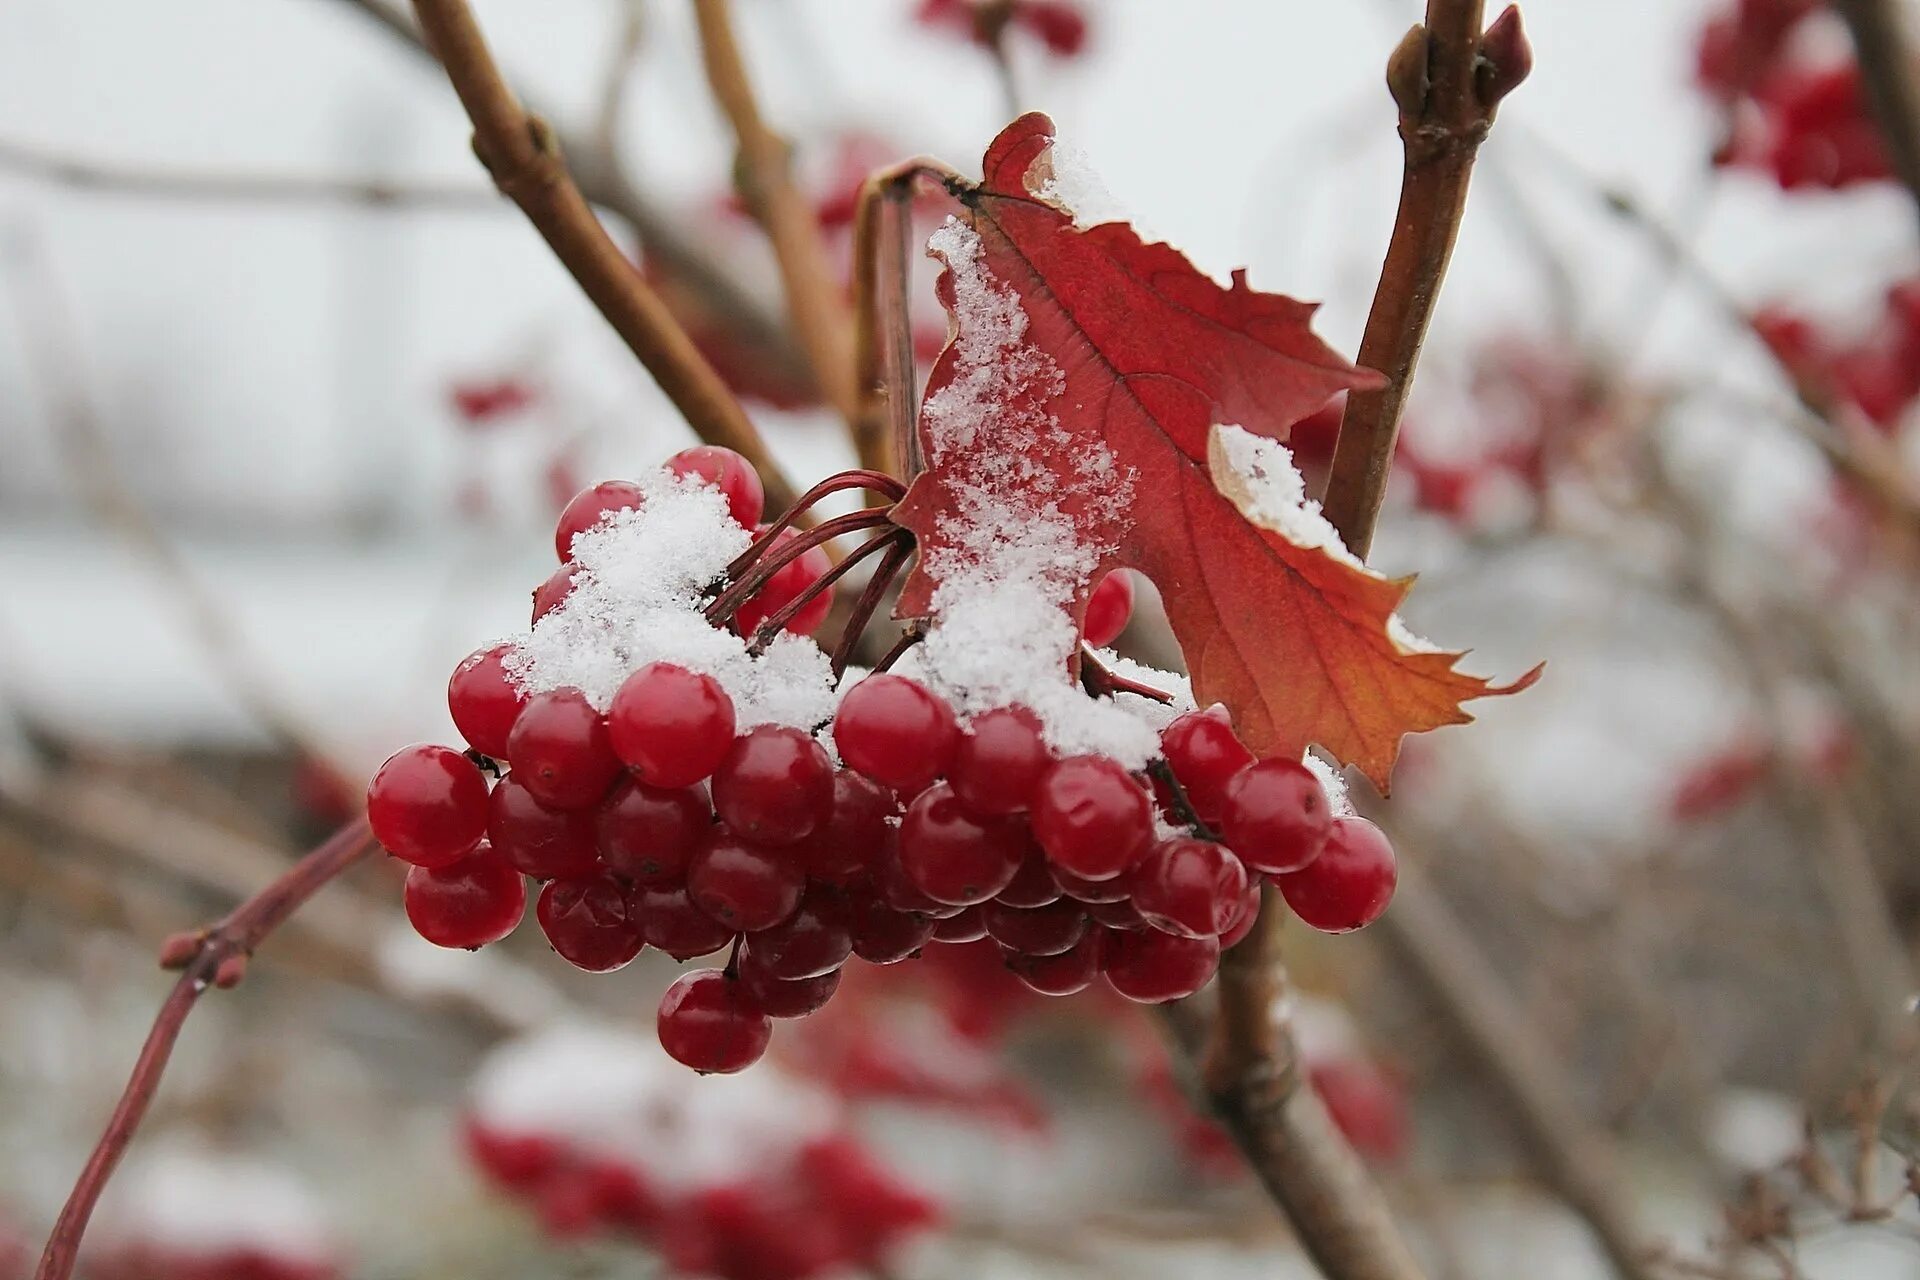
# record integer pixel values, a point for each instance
(289, 400)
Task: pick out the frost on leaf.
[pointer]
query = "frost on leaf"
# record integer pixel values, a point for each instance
(1066, 431)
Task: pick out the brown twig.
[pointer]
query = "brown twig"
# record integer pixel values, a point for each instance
(1885, 56)
(215, 956)
(816, 304)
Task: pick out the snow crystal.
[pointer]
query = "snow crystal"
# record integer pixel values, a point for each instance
(1071, 185)
(189, 1198)
(1333, 782)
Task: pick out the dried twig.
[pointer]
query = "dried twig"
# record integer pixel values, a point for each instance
(1886, 63)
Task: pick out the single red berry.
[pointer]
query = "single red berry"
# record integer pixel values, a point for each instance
(671, 726)
(998, 761)
(895, 731)
(1245, 918)
(1036, 931)
(710, 1024)
(545, 843)
(1063, 974)
(1368, 1106)
(784, 997)
(428, 805)
(1191, 887)
(484, 700)
(1349, 884)
(732, 474)
(856, 833)
(788, 584)
(967, 926)
(477, 900)
(812, 941)
(586, 509)
(1109, 608)
(882, 935)
(553, 593)
(647, 834)
(1275, 816)
(955, 856)
(1061, 26)
(561, 752)
(671, 922)
(775, 785)
(1033, 885)
(1205, 754)
(1122, 915)
(743, 886)
(1091, 817)
(1152, 967)
(897, 889)
(1089, 891)
(590, 922)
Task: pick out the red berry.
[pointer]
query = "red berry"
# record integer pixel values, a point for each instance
(560, 750)
(484, 700)
(897, 890)
(1109, 608)
(1033, 885)
(967, 926)
(1367, 1105)
(1060, 975)
(1204, 753)
(1089, 891)
(586, 509)
(882, 935)
(671, 726)
(670, 921)
(743, 886)
(1191, 887)
(782, 997)
(1036, 931)
(552, 593)
(647, 834)
(895, 731)
(732, 474)
(955, 856)
(1349, 884)
(1091, 817)
(998, 760)
(1152, 967)
(1061, 26)
(590, 922)
(812, 941)
(1245, 918)
(469, 904)
(709, 1023)
(1121, 915)
(788, 584)
(856, 833)
(547, 844)
(775, 785)
(428, 805)
(1275, 816)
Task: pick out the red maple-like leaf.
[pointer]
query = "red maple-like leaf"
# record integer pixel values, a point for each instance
(1119, 361)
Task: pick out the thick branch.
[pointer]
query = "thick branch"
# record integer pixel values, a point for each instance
(216, 956)
(1886, 68)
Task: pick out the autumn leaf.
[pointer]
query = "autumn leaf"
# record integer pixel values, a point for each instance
(1085, 373)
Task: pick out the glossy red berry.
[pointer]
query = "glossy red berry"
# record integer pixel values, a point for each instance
(1275, 816)
(1245, 918)
(1109, 608)
(1152, 967)
(775, 785)
(647, 834)
(671, 726)
(731, 473)
(895, 731)
(813, 940)
(788, 584)
(484, 701)
(1033, 885)
(561, 752)
(587, 508)
(784, 997)
(897, 889)
(955, 856)
(882, 935)
(542, 842)
(1349, 884)
(998, 760)
(477, 900)
(553, 593)
(964, 926)
(1121, 915)
(428, 805)
(743, 886)
(671, 922)
(1064, 973)
(1089, 891)
(590, 922)
(1188, 886)
(856, 833)
(709, 1023)
(1091, 817)
(1036, 931)
(1204, 753)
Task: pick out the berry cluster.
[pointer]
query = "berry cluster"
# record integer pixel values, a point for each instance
(1877, 372)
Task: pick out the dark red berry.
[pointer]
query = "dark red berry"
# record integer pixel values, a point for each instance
(782, 997)
(955, 856)
(590, 922)
(1091, 817)
(882, 935)
(1275, 816)
(708, 1022)
(1188, 886)
(647, 834)
(586, 509)
(1121, 915)
(1152, 967)
(1349, 884)
(1090, 891)
(671, 726)
(788, 584)
(670, 921)
(732, 474)
(998, 761)
(775, 785)
(428, 805)
(743, 886)
(1204, 753)
(812, 941)
(1109, 608)
(1064, 974)
(1245, 918)
(967, 926)
(1033, 885)
(484, 700)
(553, 593)
(1036, 931)
(545, 843)
(856, 834)
(895, 731)
(561, 752)
(897, 890)
(469, 904)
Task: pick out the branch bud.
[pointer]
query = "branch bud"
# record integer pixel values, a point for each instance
(1506, 58)
(1407, 73)
(178, 951)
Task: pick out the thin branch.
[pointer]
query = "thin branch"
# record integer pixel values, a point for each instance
(816, 304)
(1885, 56)
(883, 334)
(215, 956)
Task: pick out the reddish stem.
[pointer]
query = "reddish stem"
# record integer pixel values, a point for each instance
(1101, 680)
(912, 636)
(213, 956)
(869, 600)
(763, 635)
(729, 601)
(875, 481)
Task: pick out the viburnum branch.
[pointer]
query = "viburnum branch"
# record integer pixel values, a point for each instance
(869, 601)
(1885, 55)
(816, 307)
(913, 635)
(775, 558)
(213, 956)
(522, 154)
(764, 634)
(1101, 681)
